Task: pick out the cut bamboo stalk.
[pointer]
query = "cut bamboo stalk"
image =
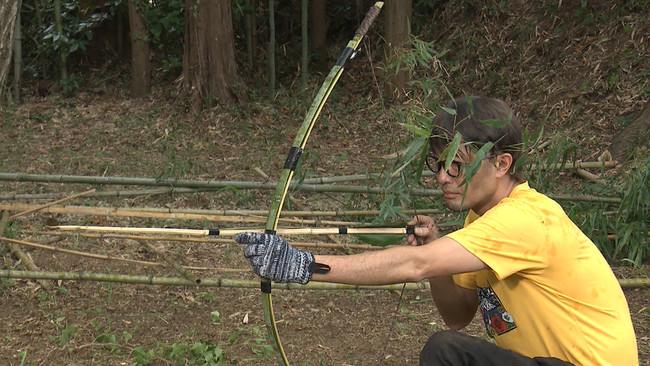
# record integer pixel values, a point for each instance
(17, 252)
(116, 193)
(81, 179)
(204, 282)
(39, 208)
(234, 283)
(182, 271)
(109, 258)
(171, 212)
(231, 232)
(590, 176)
(206, 240)
(166, 214)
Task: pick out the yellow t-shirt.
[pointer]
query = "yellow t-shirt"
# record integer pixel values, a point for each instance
(549, 292)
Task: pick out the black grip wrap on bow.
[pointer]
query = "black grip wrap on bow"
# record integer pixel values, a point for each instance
(347, 54)
(343, 230)
(213, 232)
(292, 158)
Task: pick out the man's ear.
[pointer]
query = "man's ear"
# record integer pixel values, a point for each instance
(503, 164)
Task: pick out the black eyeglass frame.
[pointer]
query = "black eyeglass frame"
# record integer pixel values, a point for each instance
(439, 165)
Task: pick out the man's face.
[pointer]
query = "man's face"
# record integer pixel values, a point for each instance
(479, 195)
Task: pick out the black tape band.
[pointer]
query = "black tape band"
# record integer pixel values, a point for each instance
(319, 268)
(213, 232)
(343, 230)
(292, 158)
(265, 286)
(410, 230)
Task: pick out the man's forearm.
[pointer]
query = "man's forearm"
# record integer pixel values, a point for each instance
(456, 305)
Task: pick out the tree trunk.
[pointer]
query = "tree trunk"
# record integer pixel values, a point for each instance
(304, 6)
(398, 14)
(319, 34)
(251, 32)
(140, 53)
(8, 11)
(18, 59)
(635, 135)
(271, 50)
(209, 67)
(63, 49)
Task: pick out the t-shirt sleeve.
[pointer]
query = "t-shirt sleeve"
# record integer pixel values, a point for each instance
(509, 238)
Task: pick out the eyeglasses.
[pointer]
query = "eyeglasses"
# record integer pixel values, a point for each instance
(435, 165)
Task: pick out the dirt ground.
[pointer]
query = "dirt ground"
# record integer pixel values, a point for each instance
(99, 323)
(546, 66)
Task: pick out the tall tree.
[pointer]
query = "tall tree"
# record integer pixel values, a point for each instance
(271, 49)
(209, 67)
(398, 16)
(140, 52)
(59, 40)
(18, 58)
(251, 32)
(8, 11)
(319, 33)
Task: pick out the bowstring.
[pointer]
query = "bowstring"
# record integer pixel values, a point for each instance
(408, 189)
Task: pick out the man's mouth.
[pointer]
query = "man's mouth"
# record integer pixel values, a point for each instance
(449, 194)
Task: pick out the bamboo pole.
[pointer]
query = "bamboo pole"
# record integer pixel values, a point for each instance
(169, 215)
(201, 282)
(590, 176)
(173, 213)
(116, 193)
(118, 259)
(171, 261)
(38, 208)
(81, 179)
(206, 240)
(234, 283)
(231, 232)
(17, 252)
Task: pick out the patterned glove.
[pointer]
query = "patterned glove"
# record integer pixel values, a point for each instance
(272, 257)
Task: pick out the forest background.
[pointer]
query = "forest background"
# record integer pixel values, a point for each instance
(215, 91)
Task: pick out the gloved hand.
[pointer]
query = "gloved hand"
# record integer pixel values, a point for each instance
(272, 257)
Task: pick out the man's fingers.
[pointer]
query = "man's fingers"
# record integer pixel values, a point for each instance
(253, 250)
(249, 238)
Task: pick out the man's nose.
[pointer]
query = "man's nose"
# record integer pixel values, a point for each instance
(443, 177)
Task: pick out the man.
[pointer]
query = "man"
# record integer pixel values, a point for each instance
(546, 294)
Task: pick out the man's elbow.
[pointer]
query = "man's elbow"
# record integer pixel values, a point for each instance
(457, 324)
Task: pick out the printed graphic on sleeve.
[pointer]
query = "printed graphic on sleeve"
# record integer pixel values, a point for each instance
(497, 320)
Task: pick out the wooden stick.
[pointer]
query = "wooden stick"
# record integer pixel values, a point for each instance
(182, 271)
(106, 257)
(50, 204)
(18, 253)
(231, 232)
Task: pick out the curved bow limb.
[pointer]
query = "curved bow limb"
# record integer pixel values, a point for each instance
(291, 162)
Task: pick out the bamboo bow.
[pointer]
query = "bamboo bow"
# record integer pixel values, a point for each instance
(292, 160)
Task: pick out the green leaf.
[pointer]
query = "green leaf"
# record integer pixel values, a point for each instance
(451, 111)
(380, 240)
(497, 123)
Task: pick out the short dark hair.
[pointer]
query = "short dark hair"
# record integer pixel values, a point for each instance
(470, 120)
